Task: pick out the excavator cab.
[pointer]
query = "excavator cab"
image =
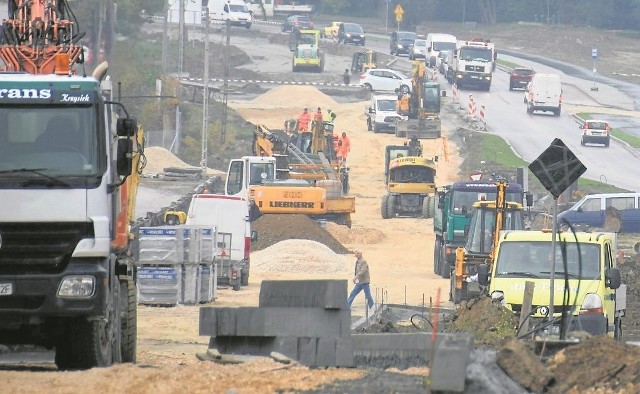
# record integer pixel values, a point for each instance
(363, 61)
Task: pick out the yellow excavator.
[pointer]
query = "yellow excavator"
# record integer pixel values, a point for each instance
(421, 106)
(363, 61)
(488, 218)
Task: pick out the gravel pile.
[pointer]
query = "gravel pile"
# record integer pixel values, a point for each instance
(299, 256)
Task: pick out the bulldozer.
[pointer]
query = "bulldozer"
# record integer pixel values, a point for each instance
(410, 180)
(421, 106)
(488, 218)
(306, 52)
(363, 61)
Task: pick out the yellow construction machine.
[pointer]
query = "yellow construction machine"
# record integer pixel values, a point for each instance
(421, 106)
(488, 218)
(410, 180)
(306, 52)
(363, 61)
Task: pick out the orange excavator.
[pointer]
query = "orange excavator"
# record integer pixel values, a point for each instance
(40, 37)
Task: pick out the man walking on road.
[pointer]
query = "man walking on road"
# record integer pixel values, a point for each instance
(361, 280)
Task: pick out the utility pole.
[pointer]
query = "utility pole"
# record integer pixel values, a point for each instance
(225, 90)
(205, 97)
(165, 36)
(175, 147)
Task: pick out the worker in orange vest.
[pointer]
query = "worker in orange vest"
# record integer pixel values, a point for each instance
(346, 146)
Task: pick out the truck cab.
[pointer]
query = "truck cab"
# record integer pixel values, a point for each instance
(473, 64)
(594, 300)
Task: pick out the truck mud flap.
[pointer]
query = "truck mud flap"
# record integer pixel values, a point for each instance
(423, 129)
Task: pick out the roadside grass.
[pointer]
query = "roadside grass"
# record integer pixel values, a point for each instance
(506, 63)
(496, 150)
(628, 138)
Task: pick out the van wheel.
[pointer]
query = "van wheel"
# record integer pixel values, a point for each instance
(236, 286)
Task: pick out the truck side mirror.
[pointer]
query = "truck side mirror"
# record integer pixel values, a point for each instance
(483, 274)
(126, 127)
(612, 278)
(124, 157)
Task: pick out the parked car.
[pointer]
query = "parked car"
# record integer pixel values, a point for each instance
(297, 21)
(401, 42)
(442, 61)
(384, 79)
(418, 49)
(331, 29)
(595, 132)
(351, 33)
(520, 77)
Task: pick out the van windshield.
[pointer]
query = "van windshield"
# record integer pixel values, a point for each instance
(533, 259)
(238, 8)
(444, 46)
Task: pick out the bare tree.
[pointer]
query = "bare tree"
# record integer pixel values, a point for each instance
(488, 11)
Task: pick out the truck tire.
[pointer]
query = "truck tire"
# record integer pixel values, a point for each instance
(436, 256)
(129, 320)
(93, 343)
(445, 269)
(426, 207)
(383, 207)
(236, 287)
(244, 279)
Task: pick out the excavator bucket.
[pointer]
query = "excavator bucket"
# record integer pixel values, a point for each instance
(425, 128)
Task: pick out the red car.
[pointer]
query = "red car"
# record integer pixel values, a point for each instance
(520, 77)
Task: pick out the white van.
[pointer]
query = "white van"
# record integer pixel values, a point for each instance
(544, 93)
(234, 11)
(382, 113)
(230, 215)
(437, 42)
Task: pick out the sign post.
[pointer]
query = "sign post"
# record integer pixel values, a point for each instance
(399, 12)
(594, 56)
(386, 17)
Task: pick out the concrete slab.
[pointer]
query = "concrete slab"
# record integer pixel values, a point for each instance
(326, 352)
(395, 344)
(272, 322)
(449, 367)
(344, 352)
(329, 294)
(307, 348)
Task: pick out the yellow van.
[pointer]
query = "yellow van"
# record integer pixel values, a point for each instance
(585, 264)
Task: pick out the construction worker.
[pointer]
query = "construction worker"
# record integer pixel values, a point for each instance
(331, 115)
(317, 117)
(345, 147)
(304, 121)
(345, 77)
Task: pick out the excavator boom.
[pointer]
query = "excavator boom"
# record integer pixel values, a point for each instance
(40, 37)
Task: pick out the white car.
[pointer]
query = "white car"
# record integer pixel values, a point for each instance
(418, 50)
(384, 79)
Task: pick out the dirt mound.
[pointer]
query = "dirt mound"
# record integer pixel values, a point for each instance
(487, 319)
(281, 97)
(599, 363)
(274, 228)
(358, 235)
(299, 256)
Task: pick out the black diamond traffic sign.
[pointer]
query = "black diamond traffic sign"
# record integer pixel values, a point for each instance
(557, 168)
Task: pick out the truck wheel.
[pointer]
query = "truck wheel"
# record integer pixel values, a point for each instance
(236, 287)
(426, 207)
(376, 128)
(445, 269)
(436, 257)
(129, 320)
(345, 182)
(93, 343)
(383, 207)
(244, 279)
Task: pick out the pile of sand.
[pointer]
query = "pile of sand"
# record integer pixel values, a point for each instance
(295, 96)
(160, 158)
(299, 256)
(355, 235)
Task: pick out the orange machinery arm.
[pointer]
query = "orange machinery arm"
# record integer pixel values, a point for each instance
(35, 33)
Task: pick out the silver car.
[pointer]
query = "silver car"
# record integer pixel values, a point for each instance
(418, 49)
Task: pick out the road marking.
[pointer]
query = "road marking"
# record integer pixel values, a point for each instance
(342, 85)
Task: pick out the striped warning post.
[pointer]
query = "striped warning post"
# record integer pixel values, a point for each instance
(482, 116)
(454, 91)
(472, 107)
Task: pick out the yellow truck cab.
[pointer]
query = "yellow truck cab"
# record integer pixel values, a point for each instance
(586, 262)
